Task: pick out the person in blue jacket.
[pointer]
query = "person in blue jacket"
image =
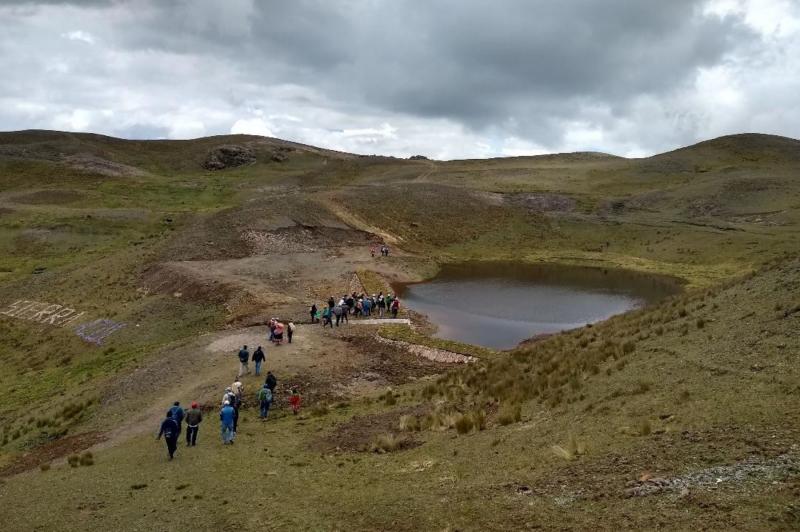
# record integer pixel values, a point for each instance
(177, 415)
(226, 415)
(170, 431)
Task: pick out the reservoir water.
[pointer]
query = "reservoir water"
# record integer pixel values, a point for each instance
(499, 305)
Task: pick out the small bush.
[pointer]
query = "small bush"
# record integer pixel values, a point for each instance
(464, 424)
(628, 347)
(87, 459)
(701, 323)
(387, 443)
(509, 414)
(320, 410)
(44, 467)
(409, 423)
(74, 460)
(645, 428)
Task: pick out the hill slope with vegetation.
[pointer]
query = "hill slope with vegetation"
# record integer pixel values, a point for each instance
(171, 254)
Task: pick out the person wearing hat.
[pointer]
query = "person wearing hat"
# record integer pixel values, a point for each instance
(193, 418)
(226, 416)
(169, 429)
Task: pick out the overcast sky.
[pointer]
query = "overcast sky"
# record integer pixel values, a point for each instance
(443, 78)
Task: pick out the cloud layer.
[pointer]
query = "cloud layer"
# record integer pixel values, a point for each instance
(445, 78)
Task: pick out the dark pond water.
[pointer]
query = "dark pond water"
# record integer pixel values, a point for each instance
(499, 305)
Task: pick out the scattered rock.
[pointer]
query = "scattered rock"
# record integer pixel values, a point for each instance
(230, 156)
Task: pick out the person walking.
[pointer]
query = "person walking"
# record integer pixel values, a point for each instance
(226, 418)
(326, 317)
(169, 429)
(395, 307)
(271, 382)
(294, 400)
(313, 312)
(193, 418)
(264, 397)
(228, 395)
(244, 356)
(177, 415)
(381, 302)
(289, 331)
(337, 311)
(258, 358)
(331, 302)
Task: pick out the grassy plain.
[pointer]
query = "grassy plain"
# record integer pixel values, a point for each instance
(554, 434)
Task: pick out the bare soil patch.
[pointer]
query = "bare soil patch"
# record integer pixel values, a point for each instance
(52, 451)
(97, 165)
(358, 434)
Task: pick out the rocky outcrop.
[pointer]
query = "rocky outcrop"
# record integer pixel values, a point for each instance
(230, 156)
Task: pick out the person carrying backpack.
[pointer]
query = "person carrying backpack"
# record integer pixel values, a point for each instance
(177, 415)
(326, 317)
(395, 307)
(169, 429)
(244, 356)
(193, 418)
(258, 358)
(337, 311)
(264, 397)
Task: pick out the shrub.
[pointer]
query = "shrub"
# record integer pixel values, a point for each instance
(571, 450)
(87, 459)
(701, 323)
(509, 414)
(74, 460)
(628, 347)
(387, 443)
(320, 410)
(464, 424)
(44, 467)
(409, 423)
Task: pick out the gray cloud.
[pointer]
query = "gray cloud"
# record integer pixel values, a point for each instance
(488, 77)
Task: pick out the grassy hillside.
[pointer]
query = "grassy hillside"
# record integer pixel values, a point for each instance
(180, 256)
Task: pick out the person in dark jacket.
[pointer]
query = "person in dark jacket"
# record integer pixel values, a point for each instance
(271, 382)
(331, 302)
(244, 356)
(177, 415)
(193, 418)
(170, 431)
(313, 312)
(258, 358)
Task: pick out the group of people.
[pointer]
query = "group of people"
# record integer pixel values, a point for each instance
(232, 400)
(276, 330)
(354, 305)
(172, 426)
(384, 250)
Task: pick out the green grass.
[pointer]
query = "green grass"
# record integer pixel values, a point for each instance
(706, 378)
